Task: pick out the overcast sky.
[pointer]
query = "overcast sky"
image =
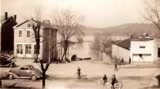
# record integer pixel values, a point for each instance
(97, 13)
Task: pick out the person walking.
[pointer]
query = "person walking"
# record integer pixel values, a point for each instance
(116, 67)
(105, 79)
(79, 72)
(113, 81)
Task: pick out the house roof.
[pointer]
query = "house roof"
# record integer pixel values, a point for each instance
(124, 43)
(142, 37)
(47, 25)
(22, 23)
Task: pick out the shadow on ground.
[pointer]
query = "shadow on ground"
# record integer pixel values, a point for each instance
(153, 87)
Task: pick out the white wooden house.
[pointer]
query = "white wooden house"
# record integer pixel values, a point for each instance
(142, 48)
(121, 50)
(24, 39)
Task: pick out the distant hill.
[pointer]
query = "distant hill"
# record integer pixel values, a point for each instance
(91, 30)
(126, 29)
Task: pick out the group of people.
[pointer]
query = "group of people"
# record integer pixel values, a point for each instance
(105, 78)
(113, 80)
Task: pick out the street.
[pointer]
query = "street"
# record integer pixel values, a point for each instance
(63, 76)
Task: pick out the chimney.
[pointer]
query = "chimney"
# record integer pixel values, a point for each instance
(6, 15)
(15, 17)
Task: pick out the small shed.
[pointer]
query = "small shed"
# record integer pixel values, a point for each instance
(121, 50)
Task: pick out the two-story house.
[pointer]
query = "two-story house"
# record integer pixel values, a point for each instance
(24, 40)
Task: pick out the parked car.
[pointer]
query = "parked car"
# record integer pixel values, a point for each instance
(7, 61)
(4, 75)
(26, 71)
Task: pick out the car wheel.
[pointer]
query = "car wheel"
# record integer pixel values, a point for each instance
(11, 76)
(11, 65)
(34, 77)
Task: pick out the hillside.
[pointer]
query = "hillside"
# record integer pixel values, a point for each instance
(126, 29)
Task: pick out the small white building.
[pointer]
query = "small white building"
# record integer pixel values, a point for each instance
(121, 50)
(137, 49)
(143, 50)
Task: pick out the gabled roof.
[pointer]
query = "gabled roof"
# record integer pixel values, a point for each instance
(124, 43)
(46, 25)
(26, 22)
(22, 23)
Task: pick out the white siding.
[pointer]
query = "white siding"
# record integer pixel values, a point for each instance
(120, 53)
(142, 51)
(24, 40)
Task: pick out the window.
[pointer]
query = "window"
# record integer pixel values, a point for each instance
(158, 52)
(28, 49)
(23, 68)
(28, 25)
(19, 49)
(141, 55)
(142, 47)
(20, 33)
(28, 34)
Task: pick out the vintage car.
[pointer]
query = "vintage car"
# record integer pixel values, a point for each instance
(4, 75)
(26, 71)
(7, 61)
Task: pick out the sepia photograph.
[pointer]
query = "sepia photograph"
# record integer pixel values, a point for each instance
(79, 44)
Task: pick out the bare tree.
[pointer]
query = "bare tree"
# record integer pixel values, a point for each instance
(44, 66)
(37, 36)
(68, 24)
(96, 47)
(36, 29)
(0, 83)
(152, 9)
(101, 45)
(153, 15)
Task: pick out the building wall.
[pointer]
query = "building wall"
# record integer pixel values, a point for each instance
(7, 34)
(24, 40)
(120, 53)
(0, 23)
(157, 49)
(143, 51)
(50, 43)
(0, 34)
